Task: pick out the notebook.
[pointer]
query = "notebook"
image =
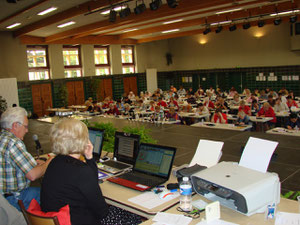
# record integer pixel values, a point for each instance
(152, 167)
(125, 152)
(96, 137)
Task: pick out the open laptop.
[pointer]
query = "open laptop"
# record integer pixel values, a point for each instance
(96, 137)
(125, 152)
(152, 167)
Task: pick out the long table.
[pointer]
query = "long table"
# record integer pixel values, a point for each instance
(222, 126)
(284, 131)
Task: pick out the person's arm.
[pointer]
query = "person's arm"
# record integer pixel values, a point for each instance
(38, 171)
(289, 127)
(223, 118)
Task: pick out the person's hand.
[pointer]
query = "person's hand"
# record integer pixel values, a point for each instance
(88, 151)
(39, 162)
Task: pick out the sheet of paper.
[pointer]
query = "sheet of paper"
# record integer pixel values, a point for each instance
(208, 153)
(216, 222)
(283, 218)
(171, 219)
(257, 154)
(151, 200)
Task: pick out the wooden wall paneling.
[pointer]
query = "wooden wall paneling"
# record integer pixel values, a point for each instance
(41, 98)
(130, 84)
(71, 93)
(79, 92)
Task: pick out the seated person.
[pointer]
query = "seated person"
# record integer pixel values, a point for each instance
(181, 91)
(209, 104)
(251, 98)
(172, 115)
(113, 110)
(291, 93)
(128, 111)
(88, 102)
(236, 100)
(106, 103)
(161, 102)
(173, 103)
(152, 106)
(280, 106)
(158, 114)
(291, 103)
(190, 99)
(190, 91)
(255, 107)
(232, 92)
(94, 107)
(126, 100)
(202, 110)
(273, 94)
(219, 117)
(120, 105)
(243, 107)
(220, 103)
(131, 96)
(271, 100)
(263, 95)
(70, 181)
(293, 123)
(243, 118)
(267, 111)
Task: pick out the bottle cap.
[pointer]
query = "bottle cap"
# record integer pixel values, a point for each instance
(185, 179)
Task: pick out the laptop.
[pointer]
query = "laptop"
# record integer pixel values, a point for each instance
(125, 152)
(96, 136)
(152, 167)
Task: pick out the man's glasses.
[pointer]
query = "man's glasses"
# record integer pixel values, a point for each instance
(25, 126)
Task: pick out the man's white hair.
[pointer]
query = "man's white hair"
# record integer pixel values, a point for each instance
(13, 115)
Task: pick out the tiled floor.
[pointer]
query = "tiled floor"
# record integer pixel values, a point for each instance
(185, 138)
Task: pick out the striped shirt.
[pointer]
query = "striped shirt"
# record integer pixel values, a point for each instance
(15, 163)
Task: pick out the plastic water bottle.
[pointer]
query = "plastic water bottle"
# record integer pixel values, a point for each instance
(185, 194)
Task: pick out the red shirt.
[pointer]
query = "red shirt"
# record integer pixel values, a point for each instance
(174, 103)
(293, 103)
(115, 111)
(246, 109)
(269, 113)
(209, 105)
(162, 103)
(217, 119)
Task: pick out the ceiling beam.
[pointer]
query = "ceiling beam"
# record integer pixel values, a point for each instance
(92, 39)
(32, 6)
(67, 14)
(184, 6)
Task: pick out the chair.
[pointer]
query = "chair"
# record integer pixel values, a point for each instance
(32, 219)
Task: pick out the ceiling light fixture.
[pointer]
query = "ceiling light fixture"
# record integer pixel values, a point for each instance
(284, 13)
(222, 22)
(219, 29)
(173, 21)
(172, 3)
(246, 26)
(169, 31)
(293, 19)
(108, 11)
(112, 16)
(66, 24)
(207, 30)
(228, 11)
(125, 31)
(46, 11)
(232, 27)
(125, 12)
(13, 25)
(155, 4)
(277, 21)
(261, 23)
(139, 8)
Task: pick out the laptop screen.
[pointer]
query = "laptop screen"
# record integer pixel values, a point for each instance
(126, 147)
(96, 137)
(155, 159)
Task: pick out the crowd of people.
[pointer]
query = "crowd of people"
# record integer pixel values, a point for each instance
(67, 180)
(215, 104)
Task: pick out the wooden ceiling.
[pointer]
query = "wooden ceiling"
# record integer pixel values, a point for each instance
(91, 27)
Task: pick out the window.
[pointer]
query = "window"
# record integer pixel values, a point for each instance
(72, 61)
(38, 65)
(102, 64)
(127, 59)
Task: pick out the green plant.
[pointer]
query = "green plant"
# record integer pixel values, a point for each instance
(62, 95)
(3, 105)
(142, 131)
(109, 134)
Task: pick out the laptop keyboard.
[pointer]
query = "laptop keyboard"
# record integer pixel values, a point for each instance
(141, 178)
(116, 164)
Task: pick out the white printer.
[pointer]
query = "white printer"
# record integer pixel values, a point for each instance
(239, 188)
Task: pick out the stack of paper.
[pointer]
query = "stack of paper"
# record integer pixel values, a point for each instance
(171, 219)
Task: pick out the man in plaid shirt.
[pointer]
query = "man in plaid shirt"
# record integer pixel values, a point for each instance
(17, 166)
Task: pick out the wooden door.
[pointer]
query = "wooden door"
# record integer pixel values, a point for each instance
(130, 84)
(106, 88)
(41, 98)
(75, 92)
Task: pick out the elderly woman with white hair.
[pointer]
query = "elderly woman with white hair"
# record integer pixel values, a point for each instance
(71, 181)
